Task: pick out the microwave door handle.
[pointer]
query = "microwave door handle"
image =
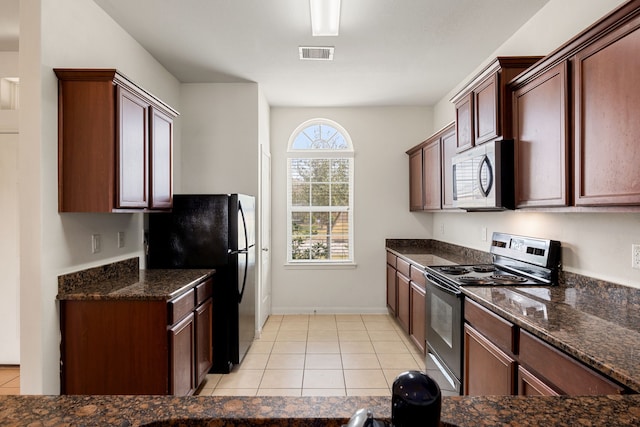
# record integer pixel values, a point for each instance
(485, 163)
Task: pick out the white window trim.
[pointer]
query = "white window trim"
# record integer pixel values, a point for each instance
(321, 154)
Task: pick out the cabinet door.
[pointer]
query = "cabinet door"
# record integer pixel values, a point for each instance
(182, 357)
(487, 369)
(391, 290)
(448, 149)
(606, 93)
(541, 115)
(132, 155)
(464, 123)
(204, 334)
(431, 175)
(160, 152)
(530, 385)
(485, 107)
(415, 181)
(403, 301)
(418, 320)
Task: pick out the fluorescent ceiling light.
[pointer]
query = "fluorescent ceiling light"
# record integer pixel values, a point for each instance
(325, 17)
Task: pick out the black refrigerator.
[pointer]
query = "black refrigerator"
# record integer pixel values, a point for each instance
(213, 231)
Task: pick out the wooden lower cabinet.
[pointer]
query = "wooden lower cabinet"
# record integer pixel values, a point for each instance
(403, 301)
(561, 372)
(136, 346)
(392, 291)
(418, 320)
(530, 385)
(487, 369)
(181, 353)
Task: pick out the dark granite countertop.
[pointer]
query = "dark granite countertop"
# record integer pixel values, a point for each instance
(123, 280)
(594, 321)
(213, 411)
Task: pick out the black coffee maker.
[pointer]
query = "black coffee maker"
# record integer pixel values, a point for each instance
(415, 400)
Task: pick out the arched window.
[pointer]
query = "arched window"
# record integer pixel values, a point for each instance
(320, 194)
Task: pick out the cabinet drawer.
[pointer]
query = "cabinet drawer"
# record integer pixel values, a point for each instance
(569, 375)
(417, 276)
(180, 306)
(403, 267)
(501, 332)
(391, 259)
(204, 290)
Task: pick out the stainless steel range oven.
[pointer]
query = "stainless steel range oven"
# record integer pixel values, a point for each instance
(517, 261)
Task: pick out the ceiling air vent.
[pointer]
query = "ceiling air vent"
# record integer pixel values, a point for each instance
(316, 53)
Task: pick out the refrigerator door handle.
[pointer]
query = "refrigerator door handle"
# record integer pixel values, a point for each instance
(238, 252)
(244, 252)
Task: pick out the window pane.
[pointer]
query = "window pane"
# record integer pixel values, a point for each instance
(319, 136)
(300, 194)
(300, 223)
(340, 170)
(319, 249)
(339, 248)
(320, 194)
(320, 170)
(340, 195)
(300, 247)
(300, 170)
(320, 223)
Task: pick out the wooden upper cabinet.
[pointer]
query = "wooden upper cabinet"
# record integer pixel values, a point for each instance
(606, 128)
(464, 122)
(416, 192)
(132, 149)
(541, 130)
(431, 175)
(114, 144)
(448, 146)
(483, 106)
(486, 110)
(161, 164)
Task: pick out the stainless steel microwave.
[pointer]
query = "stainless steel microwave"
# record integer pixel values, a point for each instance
(483, 177)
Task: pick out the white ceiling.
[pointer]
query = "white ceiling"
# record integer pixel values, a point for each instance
(389, 52)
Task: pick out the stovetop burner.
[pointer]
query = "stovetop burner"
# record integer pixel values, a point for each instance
(508, 278)
(484, 268)
(472, 280)
(456, 270)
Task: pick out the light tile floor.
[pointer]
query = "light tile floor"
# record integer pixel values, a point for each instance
(9, 379)
(324, 355)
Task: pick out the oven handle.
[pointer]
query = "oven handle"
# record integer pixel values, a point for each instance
(443, 287)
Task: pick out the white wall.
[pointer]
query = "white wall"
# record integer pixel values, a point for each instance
(9, 222)
(64, 33)
(220, 138)
(594, 244)
(380, 137)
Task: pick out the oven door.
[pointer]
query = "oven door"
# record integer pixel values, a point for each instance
(444, 317)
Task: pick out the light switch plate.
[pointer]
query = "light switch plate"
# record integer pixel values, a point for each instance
(96, 245)
(635, 256)
(121, 239)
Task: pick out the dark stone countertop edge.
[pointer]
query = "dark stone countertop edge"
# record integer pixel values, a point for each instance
(461, 411)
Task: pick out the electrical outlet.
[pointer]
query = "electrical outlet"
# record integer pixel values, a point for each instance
(121, 239)
(442, 229)
(483, 234)
(96, 245)
(635, 256)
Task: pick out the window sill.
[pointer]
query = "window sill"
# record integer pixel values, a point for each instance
(320, 265)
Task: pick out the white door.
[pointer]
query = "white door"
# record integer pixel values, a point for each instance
(264, 287)
(9, 252)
